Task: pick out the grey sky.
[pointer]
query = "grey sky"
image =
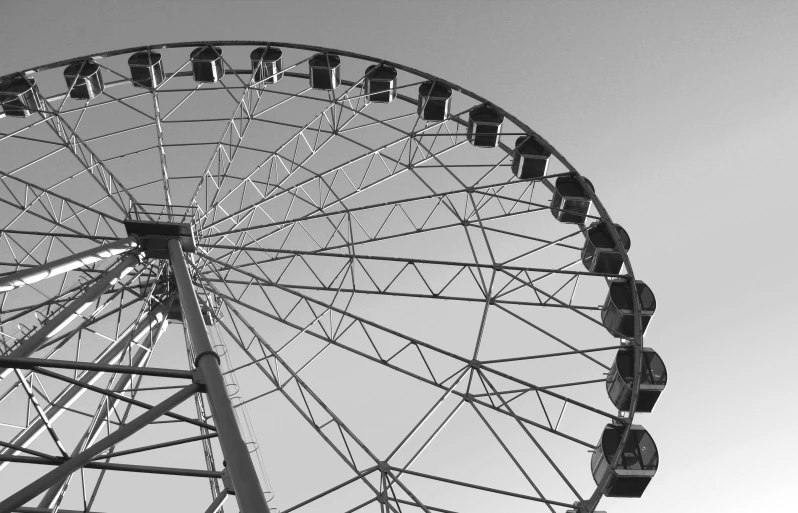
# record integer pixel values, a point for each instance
(680, 112)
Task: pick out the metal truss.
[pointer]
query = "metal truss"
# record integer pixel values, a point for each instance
(378, 314)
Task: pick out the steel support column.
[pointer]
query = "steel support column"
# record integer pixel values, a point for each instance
(246, 484)
(28, 346)
(66, 264)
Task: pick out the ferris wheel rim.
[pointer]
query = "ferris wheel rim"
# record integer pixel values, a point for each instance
(603, 214)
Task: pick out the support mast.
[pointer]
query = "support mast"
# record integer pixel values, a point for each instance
(248, 492)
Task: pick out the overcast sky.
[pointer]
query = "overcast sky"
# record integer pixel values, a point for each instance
(681, 113)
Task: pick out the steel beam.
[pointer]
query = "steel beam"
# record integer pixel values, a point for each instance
(29, 345)
(66, 264)
(217, 502)
(45, 510)
(81, 460)
(120, 467)
(30, 363)
(146, 448)
(130, 338)
(248, 492)
(121, 397)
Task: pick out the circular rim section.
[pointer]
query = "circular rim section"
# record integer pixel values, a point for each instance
(153, 272)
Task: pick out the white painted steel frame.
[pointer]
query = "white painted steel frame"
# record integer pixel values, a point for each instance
(66, 264)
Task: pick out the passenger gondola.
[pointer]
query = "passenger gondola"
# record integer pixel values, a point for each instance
(267, 64)
(84, 80)
(600, 254)
(570, 202)
(19, 96)
(146, 69)
(530, 158)
(325, 71)
(653, 380)
(434, 101)
(380, 84)
(206, 64)
(484, 126)
(617, 314)
(636, 467)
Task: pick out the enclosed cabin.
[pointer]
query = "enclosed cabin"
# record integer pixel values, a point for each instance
(530, 158)
(380, 83)
(267, 64)
(19, 97)
(617, 314)
(84, 79)
(434, 101)
(206, 64)
(325, 71)
(600, 254)
(484, 126)
(146, 69)
(571, 203)
(636, 467)
(653, 379)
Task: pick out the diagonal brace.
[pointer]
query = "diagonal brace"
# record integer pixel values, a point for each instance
(81, 460)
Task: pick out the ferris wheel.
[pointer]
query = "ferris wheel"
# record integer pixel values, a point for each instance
(272, 276)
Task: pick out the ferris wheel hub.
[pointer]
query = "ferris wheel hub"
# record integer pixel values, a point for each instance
(156, 224)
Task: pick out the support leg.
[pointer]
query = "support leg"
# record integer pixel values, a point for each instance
(248, 492)
(29, 345)
(66, 264)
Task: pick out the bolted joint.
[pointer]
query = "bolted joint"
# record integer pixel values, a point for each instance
(227, 482)
(198, 378)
